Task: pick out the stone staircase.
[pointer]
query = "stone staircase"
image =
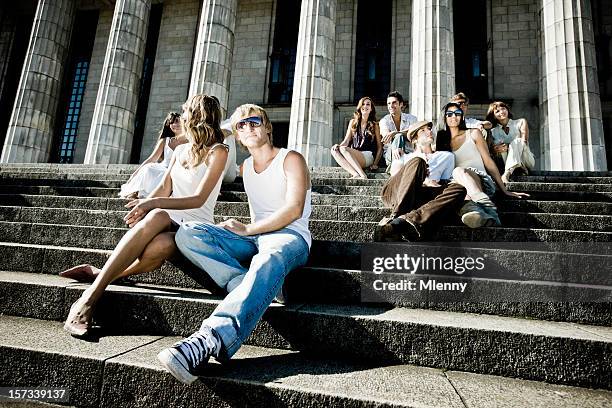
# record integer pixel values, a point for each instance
(533, 331)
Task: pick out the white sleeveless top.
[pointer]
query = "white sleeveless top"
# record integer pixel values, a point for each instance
(266, 192)
(167, 153)
(468, 155)
(514, 131)
(185, 183)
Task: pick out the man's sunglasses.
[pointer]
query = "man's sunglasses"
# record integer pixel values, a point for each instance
(458, 112)
(252, 122)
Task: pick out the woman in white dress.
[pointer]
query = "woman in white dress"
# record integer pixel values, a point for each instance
(510, 140)
(188, 192)
(151, 172)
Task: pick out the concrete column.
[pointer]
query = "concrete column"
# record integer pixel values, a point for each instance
(311, 123)
(432, 73)
(112, 127)
(214, 50)
(571, 119)
(30, 131)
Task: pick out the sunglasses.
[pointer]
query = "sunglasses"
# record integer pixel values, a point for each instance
(458, 112)
(252, 122)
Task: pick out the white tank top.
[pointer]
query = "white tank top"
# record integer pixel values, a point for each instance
(185, 183)
(468, 155)
(266, 192)
(167, 153)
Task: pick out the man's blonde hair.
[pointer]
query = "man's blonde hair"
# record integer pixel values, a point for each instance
(249, 109)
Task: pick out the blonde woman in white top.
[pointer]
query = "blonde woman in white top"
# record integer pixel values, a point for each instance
(188, 193)
(510, 140)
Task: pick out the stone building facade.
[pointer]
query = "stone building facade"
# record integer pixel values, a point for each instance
(90, 81)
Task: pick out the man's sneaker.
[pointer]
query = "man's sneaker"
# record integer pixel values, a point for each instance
(494, 221)
(475, 216)
(384, 231)
(184, 359)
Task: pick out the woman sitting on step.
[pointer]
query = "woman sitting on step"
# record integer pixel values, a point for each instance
(510, 141)
(188, 192)
(151, 172)
(474, 168)
(361, 146)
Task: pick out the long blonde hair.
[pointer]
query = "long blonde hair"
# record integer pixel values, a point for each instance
(202, 127)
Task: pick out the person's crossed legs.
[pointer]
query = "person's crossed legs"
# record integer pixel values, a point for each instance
(251, 290)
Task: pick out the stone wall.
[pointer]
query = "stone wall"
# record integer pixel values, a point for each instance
(400, 56)
(170, 83)
(344, 64)
(515, 71)
(254, 29)
(105, 21)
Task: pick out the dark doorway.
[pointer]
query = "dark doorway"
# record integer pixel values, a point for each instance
(280, 134)
(284, 50)
(16, 27)
(471, 67)
(373, 49)
(75, 80)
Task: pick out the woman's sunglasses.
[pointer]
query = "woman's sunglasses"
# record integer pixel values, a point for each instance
(458, 112)
(252, 122)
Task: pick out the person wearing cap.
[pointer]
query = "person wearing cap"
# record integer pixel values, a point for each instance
(417, 207)
(440, 164)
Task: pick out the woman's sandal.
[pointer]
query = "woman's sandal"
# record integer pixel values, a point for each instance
(81, 273)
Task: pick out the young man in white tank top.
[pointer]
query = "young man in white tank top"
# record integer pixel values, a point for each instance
(276, 241)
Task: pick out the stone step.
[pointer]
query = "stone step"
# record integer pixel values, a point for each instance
(321, 194)
(564, 179)
(114, 218)
(520, 262)
(549, 276)
(106, 237)
(567, 353)
(332, 203)
(122, 371)
(322, 169)
(88, 179)
(341, 177)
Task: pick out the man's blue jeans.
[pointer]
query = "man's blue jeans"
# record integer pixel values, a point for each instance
(220, 253)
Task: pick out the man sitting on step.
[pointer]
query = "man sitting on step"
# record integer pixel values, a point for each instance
(277, 240)
(418, 208)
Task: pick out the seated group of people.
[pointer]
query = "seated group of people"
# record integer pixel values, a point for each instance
(457, 170)
(171, 206)
(249, 261)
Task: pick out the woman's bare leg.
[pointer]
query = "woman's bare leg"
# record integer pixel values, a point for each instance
(355, 159)
(125, 253)
(469, 180)
(155, 253)
(339, 157)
